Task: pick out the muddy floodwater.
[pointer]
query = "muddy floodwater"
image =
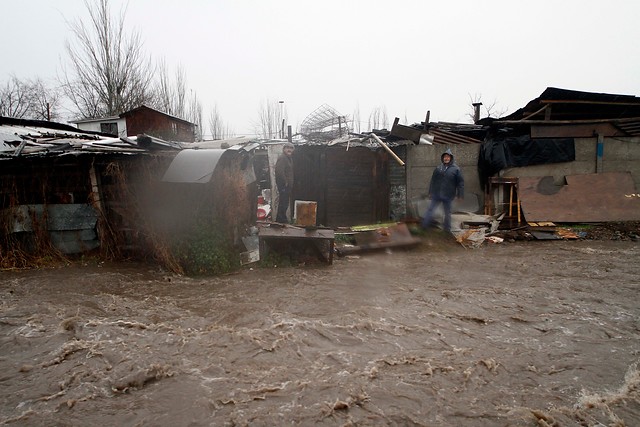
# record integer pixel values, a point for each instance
(513, 334)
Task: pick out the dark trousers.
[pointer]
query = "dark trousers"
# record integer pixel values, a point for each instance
(446, 206)
(284, 196)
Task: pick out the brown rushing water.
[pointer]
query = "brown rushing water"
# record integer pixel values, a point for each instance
(521, 334)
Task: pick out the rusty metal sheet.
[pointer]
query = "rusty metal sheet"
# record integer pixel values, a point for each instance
(601, 197)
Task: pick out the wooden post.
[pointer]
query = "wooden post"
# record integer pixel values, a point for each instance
(510, 200)
(95, 189)
(96, 200)
(386, 147)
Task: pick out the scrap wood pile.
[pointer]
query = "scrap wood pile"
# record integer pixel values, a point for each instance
(627, 230)
(474, 234)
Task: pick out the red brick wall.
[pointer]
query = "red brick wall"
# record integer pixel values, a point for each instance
(159, 125)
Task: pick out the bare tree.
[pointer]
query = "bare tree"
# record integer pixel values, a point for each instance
(170, 94)
(355, 120)
(29, 99)
(15, 99)
(219, 130)
(378, 118)
(194, 114)
(46, 101)
(270, 120)
(490, 110)
(109, 72)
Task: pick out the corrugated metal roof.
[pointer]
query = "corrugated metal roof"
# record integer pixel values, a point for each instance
(440, 132)
(20, 138)
(562, 104)
(96, 119)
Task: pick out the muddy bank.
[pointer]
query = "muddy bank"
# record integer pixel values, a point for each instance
(518, 334)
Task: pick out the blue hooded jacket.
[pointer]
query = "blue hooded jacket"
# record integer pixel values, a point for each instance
(447, 181)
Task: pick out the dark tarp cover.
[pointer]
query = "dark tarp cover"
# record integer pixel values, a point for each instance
(498, 154)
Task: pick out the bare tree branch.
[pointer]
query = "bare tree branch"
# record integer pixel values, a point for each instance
(15, 99)
(490, 109)
(29, 99)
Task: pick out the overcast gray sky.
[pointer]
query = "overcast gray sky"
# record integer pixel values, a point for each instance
(406, 56)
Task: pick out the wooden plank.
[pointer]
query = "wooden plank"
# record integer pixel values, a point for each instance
(602, 197)
(588, 102)
(574, 130)
(321, 241)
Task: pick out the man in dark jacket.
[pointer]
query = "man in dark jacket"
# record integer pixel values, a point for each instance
(446, 184)
(284, 181)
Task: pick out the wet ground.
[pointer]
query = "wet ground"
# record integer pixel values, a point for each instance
(514, 334)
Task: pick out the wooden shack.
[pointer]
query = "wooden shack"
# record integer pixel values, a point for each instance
(350, 184)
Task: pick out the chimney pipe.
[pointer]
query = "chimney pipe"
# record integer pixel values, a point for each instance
(476, 111)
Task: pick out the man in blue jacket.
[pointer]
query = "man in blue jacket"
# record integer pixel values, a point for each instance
(446, 184)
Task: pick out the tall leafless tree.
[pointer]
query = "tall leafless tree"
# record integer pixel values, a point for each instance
(219, 129)
(378, 118)
(15, 99)
(29, 99)
(355, 120)
(46, 101)
(271, 115)
(110, 73)
(194, 114)
(170, 93)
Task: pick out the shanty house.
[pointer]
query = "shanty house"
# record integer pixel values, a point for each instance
(348, 175)
(351, 187)
(68, 191)
(572, 156)
(567, 156)
(72, 190)
(355, 181)
(142, 120)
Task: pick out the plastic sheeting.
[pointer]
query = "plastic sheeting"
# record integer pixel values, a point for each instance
(498, 154)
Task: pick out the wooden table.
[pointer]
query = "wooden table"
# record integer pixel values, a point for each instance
(320, 240)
